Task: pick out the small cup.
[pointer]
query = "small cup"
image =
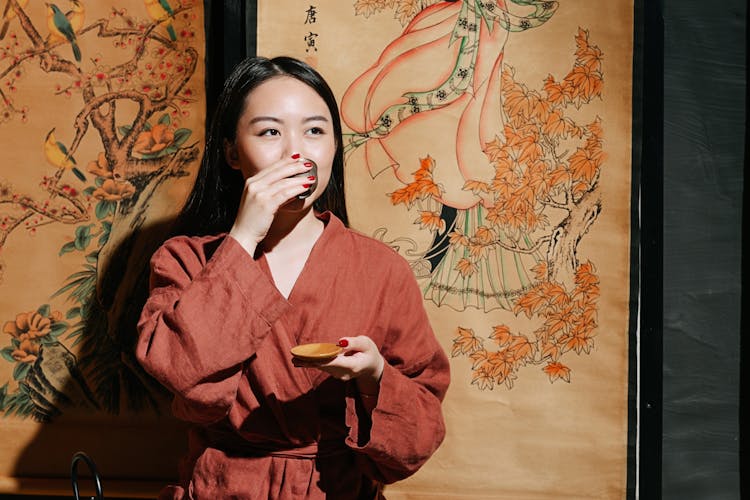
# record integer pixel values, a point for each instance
(314, 184)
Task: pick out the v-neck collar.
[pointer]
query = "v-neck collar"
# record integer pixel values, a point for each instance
(316, 268)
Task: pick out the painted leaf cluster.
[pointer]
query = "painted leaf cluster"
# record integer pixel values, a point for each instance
(567, 322)
(545, 158)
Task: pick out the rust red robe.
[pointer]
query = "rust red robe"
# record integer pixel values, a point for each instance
(217, 333)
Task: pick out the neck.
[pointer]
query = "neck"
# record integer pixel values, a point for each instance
(291, 230)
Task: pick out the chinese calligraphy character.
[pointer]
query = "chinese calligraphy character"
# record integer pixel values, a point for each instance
(311, 12)
(310, 40)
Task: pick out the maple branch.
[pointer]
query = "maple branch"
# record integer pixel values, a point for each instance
(515, 248)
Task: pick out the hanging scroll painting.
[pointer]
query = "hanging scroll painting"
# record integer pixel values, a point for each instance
(490, 144)
(102, 112)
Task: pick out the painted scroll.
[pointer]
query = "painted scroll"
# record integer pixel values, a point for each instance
(489, 142)
(102, 111)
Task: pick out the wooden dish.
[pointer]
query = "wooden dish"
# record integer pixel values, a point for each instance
(320, 352)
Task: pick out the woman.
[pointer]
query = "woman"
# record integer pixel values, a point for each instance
(266, 268)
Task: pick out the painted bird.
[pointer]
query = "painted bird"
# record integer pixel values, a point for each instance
(160, 10)
(8, 15)
(57, 154)
(76, 16)
(61, 29)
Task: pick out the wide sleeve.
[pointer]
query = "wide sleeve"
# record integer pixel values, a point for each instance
(205, 316)
(406, 426)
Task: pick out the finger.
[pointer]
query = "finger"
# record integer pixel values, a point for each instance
(360, 343)
(276, 194)
(282, 169)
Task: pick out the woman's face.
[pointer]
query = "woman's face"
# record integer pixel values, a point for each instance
(284, 116)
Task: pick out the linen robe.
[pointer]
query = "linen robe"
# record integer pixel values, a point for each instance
(217, 333)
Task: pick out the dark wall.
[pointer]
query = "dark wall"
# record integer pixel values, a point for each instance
(704, 154)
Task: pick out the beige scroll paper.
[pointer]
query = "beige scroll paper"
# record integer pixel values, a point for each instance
(490, 144)
(102, 112)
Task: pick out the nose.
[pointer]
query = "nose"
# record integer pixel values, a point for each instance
(292, 144)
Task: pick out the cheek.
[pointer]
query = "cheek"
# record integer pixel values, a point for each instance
(255, 159)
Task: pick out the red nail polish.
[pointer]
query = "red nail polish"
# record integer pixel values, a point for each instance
(295, 156)
(306, 185)
(343, 343)
(308, 164)
(311, 177)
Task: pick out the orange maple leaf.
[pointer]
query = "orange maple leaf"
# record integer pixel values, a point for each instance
(540, 108)
(498, 366)
(425, 168)
(477, 250)
(502, 188)
(482, 380)
(478, 357)
(515, 218)
(557, 322)
(558, 296)
(458, 238)
(550, 350)
(583, 165)
(466, 267)
(530, 302)
(591, 58)
(405, 195)
(501, 335)
(430, 220)
(530, 150)
(520, 348)
(555, 124)
(484, 235)
(465, 342)
(556, 370)
(540, 271)
(586, 83)
(579, 343)
(476, 186)
(553, 90)
(494, 215)
(494, 149)
(559, 176)
(516, 102)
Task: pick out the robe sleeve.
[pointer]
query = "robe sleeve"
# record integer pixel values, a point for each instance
(205, 316)
(406, 426)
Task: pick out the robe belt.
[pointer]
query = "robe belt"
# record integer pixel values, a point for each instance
(240, 447)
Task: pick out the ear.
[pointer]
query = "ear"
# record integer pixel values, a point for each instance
(230, 154)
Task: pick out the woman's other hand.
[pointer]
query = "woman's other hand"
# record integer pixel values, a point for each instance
(360, 361)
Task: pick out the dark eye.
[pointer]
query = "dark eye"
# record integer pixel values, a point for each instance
(269, 131)
(317, 131)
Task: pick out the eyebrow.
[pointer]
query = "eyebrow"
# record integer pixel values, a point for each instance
(315, 118)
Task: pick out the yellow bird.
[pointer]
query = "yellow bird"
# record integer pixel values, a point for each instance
(57, 154)
(160, 10)
(8, 15)
(77, 15)
(61, 29)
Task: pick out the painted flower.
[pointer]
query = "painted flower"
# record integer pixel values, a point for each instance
(28, 328)
(100, 167)
(114, 191)
(153, 140)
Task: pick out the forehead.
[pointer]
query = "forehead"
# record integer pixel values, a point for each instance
(285, 94)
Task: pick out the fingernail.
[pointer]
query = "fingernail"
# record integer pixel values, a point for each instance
(311, 177)
(306, 185)
(308, 164)
(343, 343)
(295, 156)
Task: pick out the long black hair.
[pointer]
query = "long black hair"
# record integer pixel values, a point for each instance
(213, 203)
